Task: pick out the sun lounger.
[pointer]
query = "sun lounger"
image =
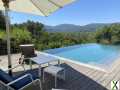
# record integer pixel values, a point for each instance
(19, 82)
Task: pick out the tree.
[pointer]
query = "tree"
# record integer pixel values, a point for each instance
(115, 33)
(35, 28)
(20, 36)
(2, 21)
(109, 34)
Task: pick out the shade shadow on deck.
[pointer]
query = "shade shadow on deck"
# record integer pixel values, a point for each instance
(75, 80)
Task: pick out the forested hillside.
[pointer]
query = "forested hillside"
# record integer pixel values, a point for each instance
(33, 32)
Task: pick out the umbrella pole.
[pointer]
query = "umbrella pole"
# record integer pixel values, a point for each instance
(6, 5)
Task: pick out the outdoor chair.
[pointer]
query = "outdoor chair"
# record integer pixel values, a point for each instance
(56, 71)
(27, 52)
(21, 82)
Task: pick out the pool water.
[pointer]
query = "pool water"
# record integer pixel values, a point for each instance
(97, 54)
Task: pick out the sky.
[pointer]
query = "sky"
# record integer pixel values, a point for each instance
(81, 12)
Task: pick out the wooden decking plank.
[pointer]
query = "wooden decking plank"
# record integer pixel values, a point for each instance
(116, 78)
(80, 77)
(83, 80)
(93, 81)
(79, 68)
(73, 74)
(111, 77)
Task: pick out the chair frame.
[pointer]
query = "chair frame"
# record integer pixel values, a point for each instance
(16, 80)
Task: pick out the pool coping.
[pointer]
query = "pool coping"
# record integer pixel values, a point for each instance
(76, 62)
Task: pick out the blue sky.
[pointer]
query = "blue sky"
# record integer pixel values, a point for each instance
(81, 12)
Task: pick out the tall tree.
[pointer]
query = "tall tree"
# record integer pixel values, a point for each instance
(2, 21)
(35, 28)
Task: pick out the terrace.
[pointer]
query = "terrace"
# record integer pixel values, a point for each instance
(78, 77)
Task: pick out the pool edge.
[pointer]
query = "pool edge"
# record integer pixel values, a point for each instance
(76, 62)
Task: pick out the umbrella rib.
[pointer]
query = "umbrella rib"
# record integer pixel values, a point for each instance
(38, 8)
(55, 4)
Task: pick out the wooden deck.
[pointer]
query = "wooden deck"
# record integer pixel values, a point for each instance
(83, 78)
(79, 78)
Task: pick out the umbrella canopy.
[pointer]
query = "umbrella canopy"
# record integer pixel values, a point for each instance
(37, 7)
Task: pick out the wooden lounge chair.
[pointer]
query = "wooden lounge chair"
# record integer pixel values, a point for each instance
(21, 82)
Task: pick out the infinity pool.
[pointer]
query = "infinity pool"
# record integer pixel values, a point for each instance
(96, 54)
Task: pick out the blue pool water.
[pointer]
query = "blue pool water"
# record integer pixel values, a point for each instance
(89, 53)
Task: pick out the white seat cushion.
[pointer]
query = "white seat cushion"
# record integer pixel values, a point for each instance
(53, 69)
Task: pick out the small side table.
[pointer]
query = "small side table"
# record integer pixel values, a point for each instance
(55, 71)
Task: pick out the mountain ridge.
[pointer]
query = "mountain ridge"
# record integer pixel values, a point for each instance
(75, 28)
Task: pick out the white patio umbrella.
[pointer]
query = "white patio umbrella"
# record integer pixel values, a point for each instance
(37, 7)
